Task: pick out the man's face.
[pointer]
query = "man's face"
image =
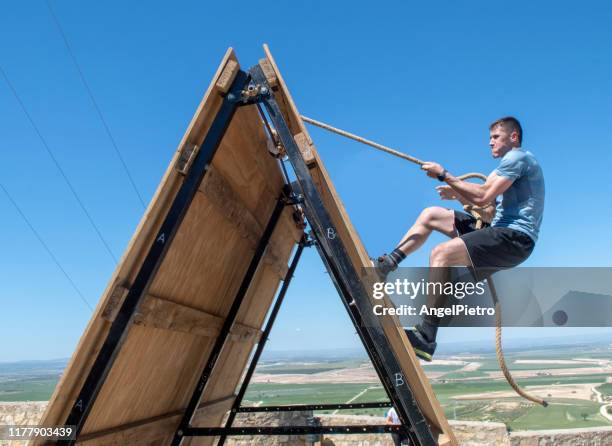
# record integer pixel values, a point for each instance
(501, 140)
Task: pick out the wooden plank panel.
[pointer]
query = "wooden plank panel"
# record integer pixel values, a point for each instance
(95, 332)
(359, 257)
(159, 363)
(176, 325)
(169, 364)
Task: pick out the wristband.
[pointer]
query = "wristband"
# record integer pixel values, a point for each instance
(442, 176)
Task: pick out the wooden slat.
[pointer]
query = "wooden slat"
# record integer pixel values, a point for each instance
(186, 158)
(305, 149)
(356, 251)
(161, 313)
(227, 76)
(269, 73)
(157, 312)
(114, 302)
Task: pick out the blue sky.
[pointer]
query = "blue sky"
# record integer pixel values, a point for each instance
(424, 79)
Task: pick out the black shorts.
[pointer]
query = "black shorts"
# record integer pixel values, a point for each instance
(492, 248)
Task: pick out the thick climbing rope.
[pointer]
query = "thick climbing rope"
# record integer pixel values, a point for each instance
(480, 212)
(500, 353)
(389, 150)
(474, 210)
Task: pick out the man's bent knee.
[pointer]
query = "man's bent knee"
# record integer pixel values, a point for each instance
(439, 255)
(451, 253)
(432, 214)
(438, 219)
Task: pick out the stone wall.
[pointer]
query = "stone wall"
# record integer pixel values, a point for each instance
(20, 413)
(596, 436)
(356, 439)
(477, 433)
(271, 419)
(468, 433)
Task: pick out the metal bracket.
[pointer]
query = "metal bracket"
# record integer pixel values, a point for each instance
(310, 240)
(252, 94)
(299, 218)
(188, 154)
(294, 198)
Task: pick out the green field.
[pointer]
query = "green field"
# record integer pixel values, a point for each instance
(605, 389)
(27, 389)
(277, 394)
(35, 381)
(304, 368)
(446, 390)
(286, 394)
(562, 414)
(440, 367)
(462, 375)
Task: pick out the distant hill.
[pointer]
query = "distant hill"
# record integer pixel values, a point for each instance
(37, 367)
(452, 348)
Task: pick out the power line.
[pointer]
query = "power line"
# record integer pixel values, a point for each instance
(42, 242)
(95, 104)
(57, 164)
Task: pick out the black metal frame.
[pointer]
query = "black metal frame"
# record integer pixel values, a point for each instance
(292, 430)
(347, 280)
(252, 88)
(264, 336)
(302, 407)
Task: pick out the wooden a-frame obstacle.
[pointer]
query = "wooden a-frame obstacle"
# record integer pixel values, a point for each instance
(163, 355)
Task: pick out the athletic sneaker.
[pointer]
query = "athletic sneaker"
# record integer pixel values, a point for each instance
(384, 265)
(422, 347)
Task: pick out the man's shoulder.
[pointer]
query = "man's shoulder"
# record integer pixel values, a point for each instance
(517, 155)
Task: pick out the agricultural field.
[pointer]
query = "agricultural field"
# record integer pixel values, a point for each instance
(29, 380)
(469, 387)
(606, 389)
(27, 389)
(577, 383)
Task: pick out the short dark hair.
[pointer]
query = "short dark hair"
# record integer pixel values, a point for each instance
(512, 123)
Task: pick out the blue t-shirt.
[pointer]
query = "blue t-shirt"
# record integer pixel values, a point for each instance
(522, 205)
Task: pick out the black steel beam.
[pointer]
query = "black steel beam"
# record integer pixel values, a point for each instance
(291, 430)
(264, 338)
(122, 322)
(347, 280)
(302, 407)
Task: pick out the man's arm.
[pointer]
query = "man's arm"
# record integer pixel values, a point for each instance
(448, 193)
(478, 194)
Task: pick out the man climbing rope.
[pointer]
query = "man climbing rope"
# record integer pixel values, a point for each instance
(504, 243)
